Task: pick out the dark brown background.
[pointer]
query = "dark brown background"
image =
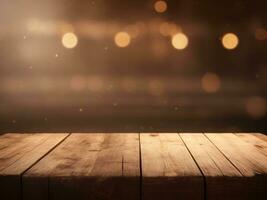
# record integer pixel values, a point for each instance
(148, 86)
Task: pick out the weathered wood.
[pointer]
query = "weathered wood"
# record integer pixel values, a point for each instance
(18, 153)
(251, 163)
(168, 170)
(57, 175)
(261, 136)
(260, 144)
(107, 166)
(7, 139)
(87, 166)
(223, 180)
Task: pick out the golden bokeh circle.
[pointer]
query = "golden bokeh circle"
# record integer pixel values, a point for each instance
(210, 82)
(122, 39)
(179, 41)
(69, 40)
(160, 6)
(230, 41)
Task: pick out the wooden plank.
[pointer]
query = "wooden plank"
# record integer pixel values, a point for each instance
(247, 159)
(15, 146)
(87, 166)
(19, 152)
(261, 136)
(260, 144)
(223, 180)
(119, 159)
(7, 139)
(168, 170)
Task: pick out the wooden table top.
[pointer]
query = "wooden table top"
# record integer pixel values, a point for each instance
(134, 166)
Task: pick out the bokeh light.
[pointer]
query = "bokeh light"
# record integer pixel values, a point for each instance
(149, 58)
(230, 41)
(69, 40)
(160, 6)
(122, 39)
(210, 82)
(179, 41)
(256, 107)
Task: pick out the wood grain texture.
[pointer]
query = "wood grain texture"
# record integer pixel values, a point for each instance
(18, 152)
(261, 136)
(168, 170)
(257, 142)
(133, 166)
(223, 180)
(87, 166)
(251, 163)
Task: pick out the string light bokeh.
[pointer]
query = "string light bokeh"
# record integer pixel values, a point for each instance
(69, 40)
(230, 41)
(160, 6)
(122, 39)
(179, 41)
(147, 65)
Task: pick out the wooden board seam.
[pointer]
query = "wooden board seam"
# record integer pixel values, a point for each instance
(68, 134)
(21, 175)
(203, 177)
(223, 154)
(25, 153)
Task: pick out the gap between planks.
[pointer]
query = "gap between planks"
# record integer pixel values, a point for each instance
(258, 149)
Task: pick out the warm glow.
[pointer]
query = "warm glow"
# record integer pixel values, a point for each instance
(95, 84)
(179, 41)
(169, 29)
(33, 24)
(160, 6)
(261, 34)
(133, 30)
(230, 41)
(69, 40)
(122, 39)
(210, 82)
(77, 83)
(256, 107)
(64, 27)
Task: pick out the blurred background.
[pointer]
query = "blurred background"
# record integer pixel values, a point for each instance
(127, 66)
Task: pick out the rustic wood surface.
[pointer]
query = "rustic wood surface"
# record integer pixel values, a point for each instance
(87, 166)
(222, 178)
(260, 144)
(19, 152)
(168, 170)
(251, 163)
(133, 166)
